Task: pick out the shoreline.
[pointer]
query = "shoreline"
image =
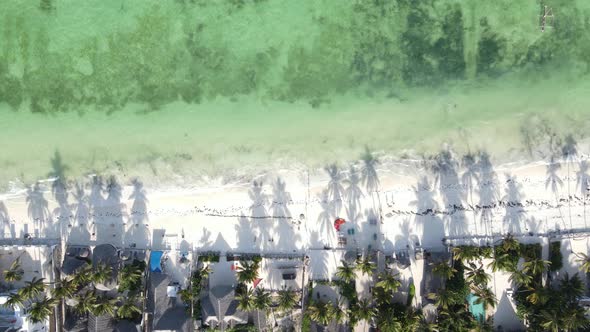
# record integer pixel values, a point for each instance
(398, 195)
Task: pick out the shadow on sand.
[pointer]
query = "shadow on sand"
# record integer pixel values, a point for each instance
(335, 188)
(7, 226)
(38, 208)
(138, 234)
(487, 189)
(432, 225)
(514, 212)
(260, 216)
(444, 168)
(109, 213)
(285, 228)
(78, 232)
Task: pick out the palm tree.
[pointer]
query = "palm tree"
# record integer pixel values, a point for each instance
(585, 261)
(245, 300)
(262, 299)
(32, 288)
(520, 278)
(345, 272)
(102, 273)
(443, 269)
(41, 310)
(442, 298)
(538, 295)
(501, 262)
(535, 266)
(574, 319)
(477, 275)
(340, 314)
(83, 276)
(412, 319)
(66, 289)
(248, 272)
(365, 311)
(104, 306)
(15, 273)
(85, 302)
(14, 300)
(551, 320)
(321, 312)
(388, 282)
(510, 243)
(571, 288)
(204, 272)
(129, 277)
(466, 253)
(486, 296)
(129, 308)
(365, 266)
(287, 299)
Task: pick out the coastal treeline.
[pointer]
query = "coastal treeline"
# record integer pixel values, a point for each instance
(180, 51)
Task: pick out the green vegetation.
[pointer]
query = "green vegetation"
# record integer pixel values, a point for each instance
(191, 296)
(506, 255)
(79, 289)
(212, 257)
(555, 256)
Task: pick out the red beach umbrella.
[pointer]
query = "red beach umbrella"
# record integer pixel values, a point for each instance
(338, 222)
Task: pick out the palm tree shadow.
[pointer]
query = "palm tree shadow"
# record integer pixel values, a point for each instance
(554, 182)
(534, 226)
(335, 188)
(96, 203)
(407, 238)
(487, 189)
(470, 176)
(137, 228)
(246, 238)
(325, 227)
(59, 186)
(259, 214)
(288, 238)
(112, 226)
(446, 175)
(5, 222)
(353, 192)
(583, 184)
(369, 175)
(514, 211)
(427, 211)
(205, 240)
(38, 207)
(79, 231)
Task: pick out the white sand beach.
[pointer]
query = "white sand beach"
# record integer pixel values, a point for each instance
(294, 212)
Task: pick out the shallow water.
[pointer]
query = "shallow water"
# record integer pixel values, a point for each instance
(197, 87)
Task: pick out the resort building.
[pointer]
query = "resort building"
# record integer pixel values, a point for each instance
(169, 272)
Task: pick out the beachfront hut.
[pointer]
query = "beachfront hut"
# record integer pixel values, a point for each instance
(108, 255)
(75, 258)
(220, 308)
(165, 306)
